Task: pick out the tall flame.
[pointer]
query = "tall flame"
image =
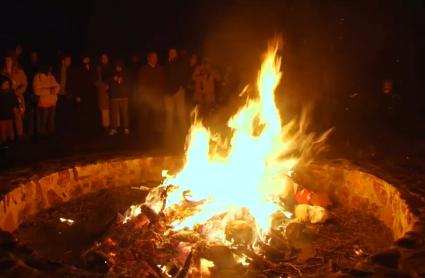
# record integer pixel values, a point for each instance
(253, 171)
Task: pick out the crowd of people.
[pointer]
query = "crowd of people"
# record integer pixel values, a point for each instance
(40, 98)
(43, 98)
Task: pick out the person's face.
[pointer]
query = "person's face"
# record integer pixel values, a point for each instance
(118, 68)
(34, 57)
(86, 60)
(104, 59)
(8, 62)
(193, 60)
(153, 59)
(172, 54)
(5, 85)
(67, 61)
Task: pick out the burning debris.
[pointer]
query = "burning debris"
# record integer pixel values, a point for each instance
(148, 246)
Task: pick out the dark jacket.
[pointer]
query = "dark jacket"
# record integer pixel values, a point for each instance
(8, 101)
(84, 82)
(176, 74)
(151, 80)
(119, 86)
(104, 72)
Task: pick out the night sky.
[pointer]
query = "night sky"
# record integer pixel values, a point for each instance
(348, 41)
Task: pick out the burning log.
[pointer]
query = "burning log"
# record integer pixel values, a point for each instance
(186, 267)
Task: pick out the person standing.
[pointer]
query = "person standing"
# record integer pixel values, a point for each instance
(174, 98)
(205, 78)
(46, 88)
(104, 75)
(65, 110)
(151, 87)
(19, 85)
(85, 96)
(31, 68)
(119, 99)
(8, 104)
(190, 83)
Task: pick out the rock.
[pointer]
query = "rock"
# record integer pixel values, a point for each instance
(411, 240)
(389, 258)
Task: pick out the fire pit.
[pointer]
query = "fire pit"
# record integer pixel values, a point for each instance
(65, 234)
(251, 204)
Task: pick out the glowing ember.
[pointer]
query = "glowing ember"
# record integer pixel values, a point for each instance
(245, 177)
(66, 221)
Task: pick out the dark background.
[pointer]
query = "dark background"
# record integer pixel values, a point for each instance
(332, 49)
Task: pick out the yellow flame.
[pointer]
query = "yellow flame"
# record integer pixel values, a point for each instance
(251, 174)
(254, 170)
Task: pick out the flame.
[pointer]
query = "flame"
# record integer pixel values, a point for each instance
(247, 173)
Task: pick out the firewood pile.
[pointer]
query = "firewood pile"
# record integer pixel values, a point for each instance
(147, 246)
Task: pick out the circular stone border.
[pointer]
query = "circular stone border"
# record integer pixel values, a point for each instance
(347, 185)
(38, 193)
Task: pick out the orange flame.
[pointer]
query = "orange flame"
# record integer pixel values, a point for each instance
(254, 171)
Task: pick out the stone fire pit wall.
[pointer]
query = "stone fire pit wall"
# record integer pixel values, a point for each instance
(351, 187)
(42, 192)
(348, 186)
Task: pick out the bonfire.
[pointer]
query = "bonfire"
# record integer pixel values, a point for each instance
(229, 207)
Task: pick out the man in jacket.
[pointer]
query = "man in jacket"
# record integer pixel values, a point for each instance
(151, 87)
(83, 88)
(119, 94)
(174, 98)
